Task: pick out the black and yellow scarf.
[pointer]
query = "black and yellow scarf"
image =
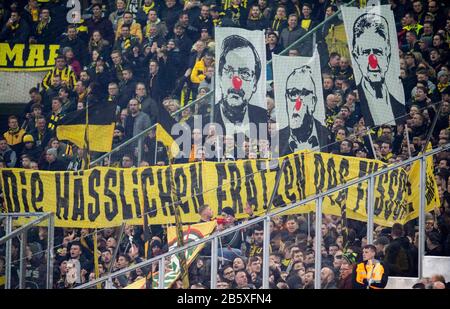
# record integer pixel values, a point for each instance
(146, 8)
(277, 22)
(41, 26)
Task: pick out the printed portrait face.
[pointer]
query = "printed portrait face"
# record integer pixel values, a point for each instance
(238, 77)
(239, 71)
(371, 47)
(300, 96)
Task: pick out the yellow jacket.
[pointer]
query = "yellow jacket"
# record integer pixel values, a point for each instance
(135, 30)
(13, 139)
(198, 72)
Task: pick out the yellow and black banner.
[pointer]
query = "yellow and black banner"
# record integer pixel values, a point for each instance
(105, 197)
(94, 124)
(27, 57)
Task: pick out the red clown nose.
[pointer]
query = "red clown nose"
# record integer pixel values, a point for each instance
(237, 83)
(298, 104)
(373, 61)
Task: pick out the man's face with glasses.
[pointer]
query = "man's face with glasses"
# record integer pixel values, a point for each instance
(113, 90)
(429, 225)
(300, 96)
(238, 79)
(229, 274)
(140, 90)
(345, 270)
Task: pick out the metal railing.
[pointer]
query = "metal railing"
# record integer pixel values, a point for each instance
(211, 94)
(318, 241)
(138, 139)
(22, 232)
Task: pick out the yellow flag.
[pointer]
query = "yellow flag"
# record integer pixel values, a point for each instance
(164, 137)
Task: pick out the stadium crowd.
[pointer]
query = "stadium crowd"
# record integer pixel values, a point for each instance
(146, 55)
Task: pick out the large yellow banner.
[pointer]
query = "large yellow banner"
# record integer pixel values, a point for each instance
(106, 197)
(27, 57)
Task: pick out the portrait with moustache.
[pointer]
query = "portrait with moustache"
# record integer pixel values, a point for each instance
(375, 60)
(241, 79)
(304, 130)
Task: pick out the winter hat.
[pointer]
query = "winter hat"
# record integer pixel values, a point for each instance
(52, 151)
(350, 257)
(156, 243)
(28, 138)
(120, 128)
(442, 73)
(382, 240)
(229, 211)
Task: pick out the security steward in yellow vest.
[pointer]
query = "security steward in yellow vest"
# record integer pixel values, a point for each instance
(371, 273)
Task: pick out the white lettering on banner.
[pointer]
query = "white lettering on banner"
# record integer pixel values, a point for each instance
(74, 15)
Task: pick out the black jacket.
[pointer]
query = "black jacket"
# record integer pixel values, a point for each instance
(170, 15)
(34, 152)
(46, 34)
(184, 44)
(288, 37)
(157, 86)
(276, 50)
(57, 165)
(126, 92)
(399, 258)
(257, 24)
(78, 47)
(398, 109)
(103, 25)
(17, 35)
(256, 115)
(324, 138)
(201, 23)
(233, 240)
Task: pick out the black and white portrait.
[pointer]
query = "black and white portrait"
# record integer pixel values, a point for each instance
(374, 53)
(240, 82)
(299, 104)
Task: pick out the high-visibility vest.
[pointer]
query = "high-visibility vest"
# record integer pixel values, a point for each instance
(365, 271)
